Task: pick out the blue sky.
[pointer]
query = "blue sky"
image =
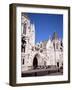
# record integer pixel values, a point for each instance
(46, 25)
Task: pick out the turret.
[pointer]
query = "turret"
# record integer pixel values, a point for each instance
(33, 34)
(55, 41)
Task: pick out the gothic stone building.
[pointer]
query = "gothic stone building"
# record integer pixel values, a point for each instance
(45, 53)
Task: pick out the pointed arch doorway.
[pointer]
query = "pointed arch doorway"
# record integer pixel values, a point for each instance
(35, 62)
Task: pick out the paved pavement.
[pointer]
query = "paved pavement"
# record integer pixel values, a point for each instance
(42, 72)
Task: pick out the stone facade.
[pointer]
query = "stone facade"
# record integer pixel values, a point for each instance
(45, 53)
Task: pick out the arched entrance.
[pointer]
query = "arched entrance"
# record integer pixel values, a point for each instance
(35, 62)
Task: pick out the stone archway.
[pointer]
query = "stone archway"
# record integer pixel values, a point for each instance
(35, 61)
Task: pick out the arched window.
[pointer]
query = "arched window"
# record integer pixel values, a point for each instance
(24, 28)
(23, 46)
(61, 43)
(23, 40)
(23, 61)
(56, 45)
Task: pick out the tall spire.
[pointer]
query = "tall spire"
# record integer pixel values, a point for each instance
(33, 27)
(55, 36)
(49, 37)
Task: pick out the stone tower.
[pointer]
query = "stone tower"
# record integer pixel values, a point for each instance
(27, 40)
(57, 49)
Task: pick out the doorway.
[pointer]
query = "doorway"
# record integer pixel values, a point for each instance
(57, 64)
(35, 62)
